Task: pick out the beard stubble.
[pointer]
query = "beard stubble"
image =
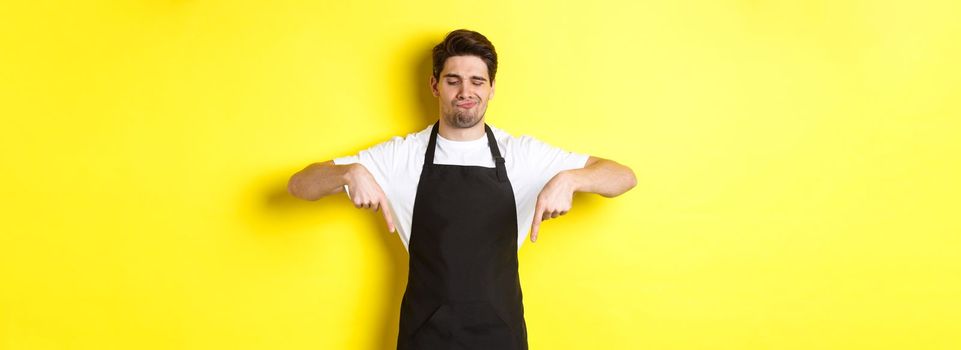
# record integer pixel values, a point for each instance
(462, 119)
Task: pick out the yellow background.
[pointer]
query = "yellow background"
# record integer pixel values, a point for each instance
(797, 161)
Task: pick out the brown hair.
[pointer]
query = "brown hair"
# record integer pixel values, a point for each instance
(463, 42)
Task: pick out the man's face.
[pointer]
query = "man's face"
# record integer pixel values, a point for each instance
(463, 90)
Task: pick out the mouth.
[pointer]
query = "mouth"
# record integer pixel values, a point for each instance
(467, 105)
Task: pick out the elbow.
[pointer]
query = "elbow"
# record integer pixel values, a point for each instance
(293, 188)
(631, 179)
(296, 189)
(627, 182)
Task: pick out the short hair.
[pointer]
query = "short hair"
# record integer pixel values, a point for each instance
(463, 42)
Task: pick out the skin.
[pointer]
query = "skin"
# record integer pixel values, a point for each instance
(463, 92)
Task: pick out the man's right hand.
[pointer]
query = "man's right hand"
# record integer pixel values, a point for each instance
(364, 191)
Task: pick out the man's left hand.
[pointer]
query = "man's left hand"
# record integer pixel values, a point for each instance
(553, 201)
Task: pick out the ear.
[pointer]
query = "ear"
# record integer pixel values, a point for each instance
(433, 86)
(493, 84)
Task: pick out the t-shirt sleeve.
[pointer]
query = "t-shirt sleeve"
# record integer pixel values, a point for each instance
(548, 160)
(379, 160)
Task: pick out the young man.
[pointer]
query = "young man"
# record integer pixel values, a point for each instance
(462, 194)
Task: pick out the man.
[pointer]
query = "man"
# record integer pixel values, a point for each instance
(463, 194)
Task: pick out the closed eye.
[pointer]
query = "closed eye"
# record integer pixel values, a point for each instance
(455, 82)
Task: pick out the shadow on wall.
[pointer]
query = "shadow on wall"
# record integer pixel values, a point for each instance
(277, 209)
(422, 65)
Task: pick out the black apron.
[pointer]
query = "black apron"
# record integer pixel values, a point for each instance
(463, 288)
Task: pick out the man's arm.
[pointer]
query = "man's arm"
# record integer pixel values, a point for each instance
(602, 176)
(318, 180)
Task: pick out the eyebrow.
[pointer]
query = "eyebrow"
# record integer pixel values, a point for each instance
(475, 77)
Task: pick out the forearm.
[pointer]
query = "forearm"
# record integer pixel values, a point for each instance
(319, 179)
(604, 177)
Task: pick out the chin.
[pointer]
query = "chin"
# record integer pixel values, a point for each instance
(463, 122)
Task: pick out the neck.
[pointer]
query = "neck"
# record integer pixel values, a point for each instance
(460, 134)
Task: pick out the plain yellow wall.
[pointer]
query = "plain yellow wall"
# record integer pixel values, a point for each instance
(798, 166)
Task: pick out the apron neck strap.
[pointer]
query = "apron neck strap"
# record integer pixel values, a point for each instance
(491, 143)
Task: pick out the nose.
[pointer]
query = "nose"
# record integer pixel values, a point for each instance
(464, 92)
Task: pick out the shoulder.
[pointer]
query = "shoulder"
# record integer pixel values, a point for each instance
(419, 138)
(542, 154)
(519, 143)
(505, 138)
(413, 140)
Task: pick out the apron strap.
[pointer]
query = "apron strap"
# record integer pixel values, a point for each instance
(491, 143)
(429, 156)
(496, 153)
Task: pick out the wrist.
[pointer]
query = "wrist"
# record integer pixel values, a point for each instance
(350, 173)
(572, 179)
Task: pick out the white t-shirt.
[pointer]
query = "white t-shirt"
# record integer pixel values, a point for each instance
(396, 165)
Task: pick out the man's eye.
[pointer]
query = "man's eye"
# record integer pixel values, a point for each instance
(453, 82)
(478, 84)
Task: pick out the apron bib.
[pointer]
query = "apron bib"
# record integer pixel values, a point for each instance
(463, 288)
